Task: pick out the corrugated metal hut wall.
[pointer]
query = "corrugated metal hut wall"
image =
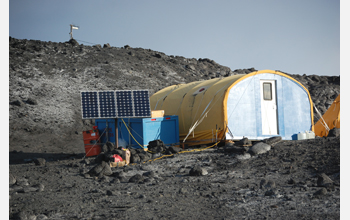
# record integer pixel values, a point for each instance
(294, 107)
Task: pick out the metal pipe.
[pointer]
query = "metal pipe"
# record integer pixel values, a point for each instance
(107, 131)
(116, 133)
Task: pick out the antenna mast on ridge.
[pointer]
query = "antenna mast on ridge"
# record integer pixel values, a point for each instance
(71, 30)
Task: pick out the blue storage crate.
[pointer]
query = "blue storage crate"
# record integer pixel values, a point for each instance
(145, 130)
(101, 126)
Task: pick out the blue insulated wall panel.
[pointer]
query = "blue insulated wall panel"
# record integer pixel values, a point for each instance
(145, 130)
(244, 108)
(102, 124)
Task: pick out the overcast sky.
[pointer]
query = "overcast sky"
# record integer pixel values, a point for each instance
(294, 36)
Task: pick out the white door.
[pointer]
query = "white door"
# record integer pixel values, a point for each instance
(268, 107)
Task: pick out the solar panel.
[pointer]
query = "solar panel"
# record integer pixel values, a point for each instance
(124, 104)
(89, 105)
(115, 104)
(141, 103)
(107, 104)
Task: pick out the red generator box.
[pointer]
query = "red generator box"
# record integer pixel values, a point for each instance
(91, 142)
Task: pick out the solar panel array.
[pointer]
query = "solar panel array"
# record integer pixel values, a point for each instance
(89, 104)
(107, 104)
(141, 103)
(115, 104)
(125, 105)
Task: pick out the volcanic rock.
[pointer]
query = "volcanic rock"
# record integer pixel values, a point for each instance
(324, 180)
(149, 174)
(17, 103)
(31, 101)
(12, 179)
(100, 170)
(321, 192)
(39, 161)
(135, 158)
(198, 171)
(136, 178)
(107, 147)
(270, 192)
(272, 140)
(259, 148)
(335, 132)
(172, 150)
(243, 156)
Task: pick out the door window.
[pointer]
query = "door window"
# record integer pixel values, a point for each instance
(267, 90)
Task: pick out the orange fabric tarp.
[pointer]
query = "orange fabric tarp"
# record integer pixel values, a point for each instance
(331, 117)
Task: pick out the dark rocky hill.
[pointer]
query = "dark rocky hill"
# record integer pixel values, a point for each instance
(45, 80)
(50, 177)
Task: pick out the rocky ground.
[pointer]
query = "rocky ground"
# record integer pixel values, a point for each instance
(51, 179)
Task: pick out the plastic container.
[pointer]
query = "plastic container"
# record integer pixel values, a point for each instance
(91, 136)
(306, 135)
(310, 135)
(91, 143)
(302, 136)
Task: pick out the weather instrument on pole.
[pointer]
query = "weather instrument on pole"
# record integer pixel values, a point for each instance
(71, 30)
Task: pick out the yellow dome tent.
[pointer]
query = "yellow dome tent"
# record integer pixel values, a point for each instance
(330, 119)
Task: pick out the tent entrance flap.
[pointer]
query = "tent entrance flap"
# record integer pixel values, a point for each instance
(268, 107)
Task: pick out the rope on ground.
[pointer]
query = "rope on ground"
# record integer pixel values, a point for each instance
(170, 155)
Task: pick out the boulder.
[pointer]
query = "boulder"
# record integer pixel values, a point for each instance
(31, 101)
(73, 42)
(144, 156)
(107, 147)
(172, 150)
(243, 142)
(17, 103)
(272, 140)
(323, 180)
(149, 174)
(39, 161)
(321, 192)
(100, 170)
(12, 179)
(198, 171)
(259, 148)
(135, 158)
(243, 156)
(136, 178)
(335, 132)
(270, 192)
